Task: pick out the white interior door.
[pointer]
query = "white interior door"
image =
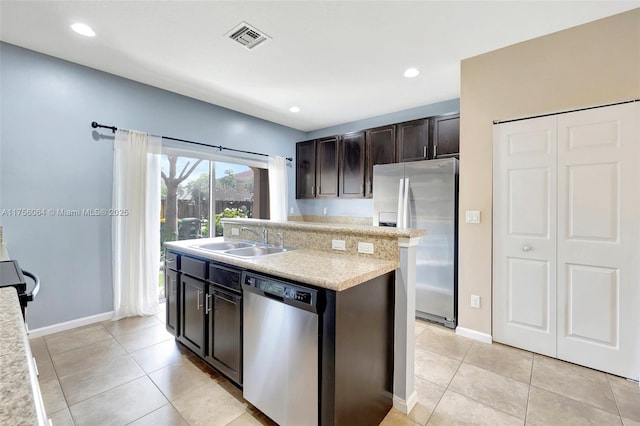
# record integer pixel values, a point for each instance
(524, 235)
(599, 238)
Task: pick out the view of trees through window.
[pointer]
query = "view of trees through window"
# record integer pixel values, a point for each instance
(191, 209)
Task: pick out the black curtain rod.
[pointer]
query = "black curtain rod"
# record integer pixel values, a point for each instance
(96, 125)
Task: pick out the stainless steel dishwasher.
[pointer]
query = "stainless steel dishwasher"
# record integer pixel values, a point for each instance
(280, 357)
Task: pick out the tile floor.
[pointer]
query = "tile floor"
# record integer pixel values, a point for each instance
(131, 372)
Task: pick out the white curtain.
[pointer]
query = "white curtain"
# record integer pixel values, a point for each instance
(278, 188)
(136, 224)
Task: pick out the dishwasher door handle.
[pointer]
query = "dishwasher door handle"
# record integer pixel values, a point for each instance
(273, 296)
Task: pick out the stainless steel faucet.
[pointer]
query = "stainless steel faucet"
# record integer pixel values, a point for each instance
(262, 234)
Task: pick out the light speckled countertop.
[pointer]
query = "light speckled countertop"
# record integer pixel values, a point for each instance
(20, 401)
(332, 271)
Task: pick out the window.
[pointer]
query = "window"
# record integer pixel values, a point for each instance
(199, 189)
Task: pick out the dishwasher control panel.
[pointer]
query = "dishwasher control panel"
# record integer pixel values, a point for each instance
(282, 290)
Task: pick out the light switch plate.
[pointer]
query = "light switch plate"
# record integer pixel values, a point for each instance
(472, 216)
(475, 301)
(338, 245)
(235, 231)
(366, 248)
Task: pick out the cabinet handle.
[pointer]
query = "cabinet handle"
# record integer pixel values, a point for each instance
(435, 151)
(526, 248)
(198, 305)
(369, 186)
(313, 191)
(424, 151)
(207, 303)
(170, 261)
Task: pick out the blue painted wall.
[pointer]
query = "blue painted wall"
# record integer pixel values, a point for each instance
(50, 160)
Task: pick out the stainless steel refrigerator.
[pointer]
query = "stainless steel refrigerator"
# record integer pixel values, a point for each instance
(424, 194)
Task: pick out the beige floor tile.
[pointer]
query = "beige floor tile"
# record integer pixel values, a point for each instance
(90, 356)
(76, 338)
(435, 368)
(178, 379)
(629, 422)
(499, 392)
(419, 327)
(61, 418)
(627, 394)
(127, 325)
(501, 359)
(443, 341)
(166, 415)
(45, 366)
(38, 347)
(85, 384)
(160, 355)
(456, 409)
(144, 337)
(209, 405)
(249, 419)
(548, 408)
(429, 395)
(120, 405)
(52, 395)
(396, 418)
(576, 382)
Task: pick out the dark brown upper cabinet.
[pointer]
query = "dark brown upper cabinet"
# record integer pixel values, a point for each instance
(380, 149)
(413, 140)
(306, 169)
(327, 167)
(352, 167)
(446, 136)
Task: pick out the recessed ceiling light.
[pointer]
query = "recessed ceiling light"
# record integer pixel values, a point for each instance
(294, 109)
(83, 29)
(411, 72)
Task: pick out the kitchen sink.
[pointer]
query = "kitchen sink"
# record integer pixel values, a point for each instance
(225, 245)
(256, 251)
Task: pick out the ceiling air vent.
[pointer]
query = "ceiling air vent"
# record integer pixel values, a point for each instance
(247, 35)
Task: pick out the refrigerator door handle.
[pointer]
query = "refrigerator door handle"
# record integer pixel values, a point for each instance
(405, 210)
(400, 214)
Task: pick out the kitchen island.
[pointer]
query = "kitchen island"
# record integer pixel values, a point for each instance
(367, 327)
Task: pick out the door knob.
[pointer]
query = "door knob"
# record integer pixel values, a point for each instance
(526, 248)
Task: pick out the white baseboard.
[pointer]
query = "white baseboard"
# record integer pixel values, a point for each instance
(405, 406)
(473, 334)
(68, 325)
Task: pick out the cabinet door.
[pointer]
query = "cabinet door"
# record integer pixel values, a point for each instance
(413, 140)
(171, 294)
(306, 169)
(380, 149)
(327, 164)
(353, 165)
(224, 349)
(192, 314)
(446, 136)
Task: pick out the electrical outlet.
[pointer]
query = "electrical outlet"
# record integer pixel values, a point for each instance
(291, 210)
(366, 248)
(475, 301)
(235, 231)
(338, 245)
(325, 211)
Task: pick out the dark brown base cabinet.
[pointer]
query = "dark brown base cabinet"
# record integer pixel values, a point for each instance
(356, 346)
(209, 316)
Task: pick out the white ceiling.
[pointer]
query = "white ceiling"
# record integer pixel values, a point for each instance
(339, 61)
